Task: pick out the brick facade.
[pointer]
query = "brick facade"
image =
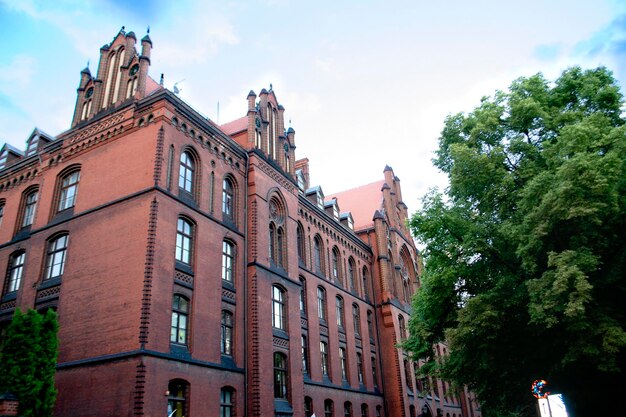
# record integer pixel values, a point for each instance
(156, 232)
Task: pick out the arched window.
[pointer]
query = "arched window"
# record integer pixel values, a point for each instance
(228, 199)
(277, 244)
(55, 257)
(305, 354)
(359, 367)
(347, 409)
(356, 319)
(15, 272)
(180, 320)
(324, 358)
(407, 375)
(107, 88)
(302, 295)
(226, 346)
(364, 410)
(186, 172)
(279, 320)
(317, 255)
(336, 267)
(68, 189)
(366, 290)
(343, 362)
(340, 313)
(280, 375)
(227, 402)
(351, 269)
(370, 324)
(177, 394)
(308, 406)
(30, 203)
(301, 244)
(184, 241)
(402, 327)
(329, 408)
(118, 79)
(228, 261)
(321, 304)
(412, 411)
(374, 370)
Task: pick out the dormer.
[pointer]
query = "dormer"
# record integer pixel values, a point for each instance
(302, 173)
(122, 75)
(347, 220)
(332, 208)
(9, 155)
(316, 196)
(37, 141)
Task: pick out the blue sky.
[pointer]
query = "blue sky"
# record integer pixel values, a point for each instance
(365, 83)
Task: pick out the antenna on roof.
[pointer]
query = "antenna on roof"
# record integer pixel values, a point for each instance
(271, 87)
(161, 82)
(148, 29)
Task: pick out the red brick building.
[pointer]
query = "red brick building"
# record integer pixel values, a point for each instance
(195, 270)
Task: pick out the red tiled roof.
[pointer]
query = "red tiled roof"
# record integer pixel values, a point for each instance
(235, 126)
(362, 202)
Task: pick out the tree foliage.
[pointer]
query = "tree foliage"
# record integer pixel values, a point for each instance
(525, 253)
(28, 354)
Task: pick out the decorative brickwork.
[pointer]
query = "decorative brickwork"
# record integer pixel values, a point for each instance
(48, 293)
(140, 390)
(183, 278)
(158, 157)
(148, 273)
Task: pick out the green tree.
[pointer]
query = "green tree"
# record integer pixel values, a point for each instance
(525, 252)
(28, 354)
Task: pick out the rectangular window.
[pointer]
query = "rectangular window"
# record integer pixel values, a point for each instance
(55, 263)
(324, 357)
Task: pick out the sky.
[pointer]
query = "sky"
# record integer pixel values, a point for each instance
(364, 83)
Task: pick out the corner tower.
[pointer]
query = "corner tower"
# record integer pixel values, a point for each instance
(122, 75)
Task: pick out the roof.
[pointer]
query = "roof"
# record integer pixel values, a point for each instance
(236, 126)
(362, 202)
(151, 86)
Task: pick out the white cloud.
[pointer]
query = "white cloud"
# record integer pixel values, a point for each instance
(18, 73)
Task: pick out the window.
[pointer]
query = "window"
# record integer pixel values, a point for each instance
(317, 255)
(1, 211)
(340, 313)
(351, 269)
(16, 270)
(226, 346)
(302, 295)
(356, 319)
(228, 199)
(305, 354)
(343, 361)
(366, 291)
(336, 267)
(278, 308)
(184, 241)
(370, 324)
(359, 367)
(177, 392)
(280, 375)
(374, 371)
(276, 236)
(301, 244)
(227, 403)
(186, 172)
(308, 406)
(68, 190)
(347, 409)
(180, 319)
(228, 257)
(55, 257)
(378, 410)
(324, 358)
(407, 375)
(321, 303)
(329, 408)
(364, 410)
(30, 202)
(402, 326)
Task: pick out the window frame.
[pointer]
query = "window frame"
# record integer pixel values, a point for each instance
(174, 397)
(279, 303)
(184, 241)
(27, 218)
(52, 254)
(227, 403)
(281, 376)
(340, 311)
(187, 172)
(324, 362)
(68, 191)
(322, 312)
(228, 261)
(228, 199)
(178, 313)
(15, 272)
(227, 333)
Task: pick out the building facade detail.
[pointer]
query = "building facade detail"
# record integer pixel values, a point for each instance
(195, 269)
